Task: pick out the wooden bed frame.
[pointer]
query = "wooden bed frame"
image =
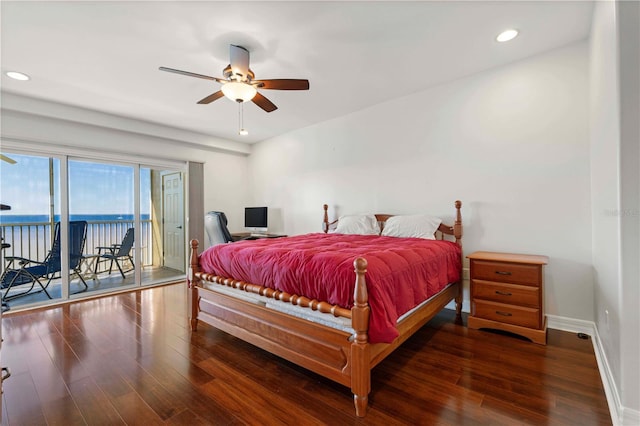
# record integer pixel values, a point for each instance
(338, 355)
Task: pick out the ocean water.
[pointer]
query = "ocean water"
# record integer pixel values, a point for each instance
(29, 236)
(8, 219)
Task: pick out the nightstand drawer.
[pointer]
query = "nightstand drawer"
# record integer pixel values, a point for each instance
(510, 314)
(506, 272)
(507, 293)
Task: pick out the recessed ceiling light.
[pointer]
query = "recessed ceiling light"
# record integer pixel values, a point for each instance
(17, 75)
(507, 35)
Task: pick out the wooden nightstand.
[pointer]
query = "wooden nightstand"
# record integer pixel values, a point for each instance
(507, 293)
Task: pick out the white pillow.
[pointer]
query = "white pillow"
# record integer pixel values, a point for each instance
(413, 226)
(362, 224)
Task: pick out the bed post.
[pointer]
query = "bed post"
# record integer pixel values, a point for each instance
(192, 283)
(325, 220)
(360, 359)
(457, 233)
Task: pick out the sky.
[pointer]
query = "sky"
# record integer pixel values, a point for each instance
(94, 188)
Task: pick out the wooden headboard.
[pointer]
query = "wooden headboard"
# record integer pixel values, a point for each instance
(455, 230)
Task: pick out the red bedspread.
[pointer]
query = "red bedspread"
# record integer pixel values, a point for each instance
(402, 272)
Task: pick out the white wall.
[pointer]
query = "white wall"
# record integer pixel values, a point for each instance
(227, 188)
(615, 186)
(49, 122)
(511, 143)
(605, 186)
(628, 14)
(41, 124)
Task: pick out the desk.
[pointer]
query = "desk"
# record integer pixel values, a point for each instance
(249, 234)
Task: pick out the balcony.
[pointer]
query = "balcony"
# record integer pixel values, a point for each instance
(32, 240)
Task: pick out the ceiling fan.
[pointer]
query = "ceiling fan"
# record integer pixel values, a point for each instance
(239, 85)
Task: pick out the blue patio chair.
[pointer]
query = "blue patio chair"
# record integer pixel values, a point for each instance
(20, 271)
(116, 252)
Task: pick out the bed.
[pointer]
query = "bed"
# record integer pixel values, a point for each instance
(314, 327)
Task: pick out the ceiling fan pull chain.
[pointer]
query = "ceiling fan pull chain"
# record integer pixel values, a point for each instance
(241, 129)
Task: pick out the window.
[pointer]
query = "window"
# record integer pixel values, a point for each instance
(134, 223)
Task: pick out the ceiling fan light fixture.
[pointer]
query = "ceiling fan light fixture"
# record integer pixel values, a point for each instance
(239, 92)
(507, 35)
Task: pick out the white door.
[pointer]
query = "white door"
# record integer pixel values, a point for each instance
(173, 221)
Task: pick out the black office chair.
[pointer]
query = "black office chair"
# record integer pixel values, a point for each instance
(215, 225)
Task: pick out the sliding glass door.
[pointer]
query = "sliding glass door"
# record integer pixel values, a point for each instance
(116, 225)
(102, 194)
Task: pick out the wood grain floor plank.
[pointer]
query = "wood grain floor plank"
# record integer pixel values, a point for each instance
(161, 401)
(134, 411)
(186, 394)
(63, 412)
(93, 403)
(248, 398)
(21, 399)
(183, 366)
(189, 418)
(517, 413)
(64, 359)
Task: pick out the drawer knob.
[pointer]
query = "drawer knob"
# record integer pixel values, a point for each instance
(503, 293)
(504, 314)
(503, 272)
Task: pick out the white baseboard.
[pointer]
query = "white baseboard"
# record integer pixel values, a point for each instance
(630, 417)
(571, 325)
(620, 415)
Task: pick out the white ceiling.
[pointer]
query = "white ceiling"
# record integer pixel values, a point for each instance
(105, 55)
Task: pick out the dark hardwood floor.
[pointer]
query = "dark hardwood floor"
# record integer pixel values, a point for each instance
(131, 359)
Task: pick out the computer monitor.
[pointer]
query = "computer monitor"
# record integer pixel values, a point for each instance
(255, 219)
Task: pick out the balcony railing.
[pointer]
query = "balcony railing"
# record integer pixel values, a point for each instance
(33, 240)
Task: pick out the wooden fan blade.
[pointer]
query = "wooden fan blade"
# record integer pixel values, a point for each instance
(239, 61)
(264, 103)
(7, 159)
(191, 74)
(212, 97)
(282, 84)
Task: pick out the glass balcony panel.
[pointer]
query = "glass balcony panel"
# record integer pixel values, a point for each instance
(30, 260)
